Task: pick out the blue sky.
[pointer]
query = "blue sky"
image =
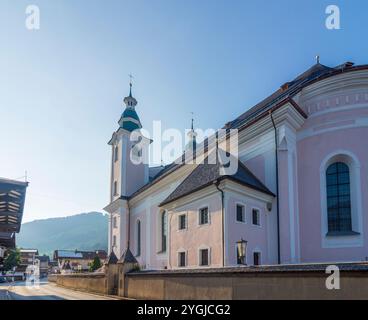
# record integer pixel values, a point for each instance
(62, 86)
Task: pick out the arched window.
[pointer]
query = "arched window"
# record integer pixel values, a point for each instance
(338, 197)
(163, 231)
(139, 242)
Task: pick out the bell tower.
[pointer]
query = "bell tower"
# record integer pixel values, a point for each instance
(129, 172)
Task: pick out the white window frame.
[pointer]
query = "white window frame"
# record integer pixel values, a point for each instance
(259, 217)
(178, 258)
(236, 213)
(256, 250)
(353, 163)
(203, 247)
(186, 222)
(115, 222)
(199, 216)
(114, 240)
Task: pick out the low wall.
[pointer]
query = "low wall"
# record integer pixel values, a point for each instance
(286, 282)
(90, 282)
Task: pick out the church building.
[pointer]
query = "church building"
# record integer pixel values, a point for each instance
(300, 193)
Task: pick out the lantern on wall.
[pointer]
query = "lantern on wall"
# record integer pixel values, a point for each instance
(242, 250)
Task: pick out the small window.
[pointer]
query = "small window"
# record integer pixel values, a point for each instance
(116, 153)
(114, 241)
(182, 259)
(256, 258)
(182, 222)
(115, 188)
(203, 216)
(240, 213)
(256, 219)
(204, 259)
(115, 222)
(163, 231)
(139, 240)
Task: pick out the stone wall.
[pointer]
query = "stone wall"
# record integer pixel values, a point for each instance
(245, 285)
(89, 282)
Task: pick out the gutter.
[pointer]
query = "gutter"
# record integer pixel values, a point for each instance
(217, 182)
(277, 190)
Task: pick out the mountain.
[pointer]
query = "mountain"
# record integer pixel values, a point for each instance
(85, 231)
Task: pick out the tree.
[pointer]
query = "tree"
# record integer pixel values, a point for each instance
(12, 259)
(96, 264)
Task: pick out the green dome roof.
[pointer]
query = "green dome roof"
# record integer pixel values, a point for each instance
(129, 120)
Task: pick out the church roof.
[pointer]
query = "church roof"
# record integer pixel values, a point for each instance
(289, 89)
(206, 174)
(316, 73)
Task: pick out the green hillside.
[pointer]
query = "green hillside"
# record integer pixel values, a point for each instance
(86, 231)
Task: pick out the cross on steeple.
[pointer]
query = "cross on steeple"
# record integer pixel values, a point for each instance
(130, 84)
(192, 120)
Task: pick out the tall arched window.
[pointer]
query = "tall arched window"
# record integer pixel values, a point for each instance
(338, 197)
(163, 231)
(139, 242)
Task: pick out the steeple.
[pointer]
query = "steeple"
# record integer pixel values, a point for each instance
(192, 143)
(129, 120)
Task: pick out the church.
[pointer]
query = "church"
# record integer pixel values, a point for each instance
(299, 194)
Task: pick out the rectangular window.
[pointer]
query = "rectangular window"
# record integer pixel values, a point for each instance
(114, 241)
(204, 257)
(203, 216)
(240, 213)
(116, 153)
(182, 222)
(256, 258)
(115, 191)
(182, 259)
(256, 219)
(115, 222)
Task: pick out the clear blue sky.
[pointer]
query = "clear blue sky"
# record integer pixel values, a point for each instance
(61, 88)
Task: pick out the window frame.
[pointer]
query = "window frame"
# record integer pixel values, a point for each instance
(185, 215)
(244, 212)
(208, 215)
(200, 249)
(138, 226)
(179, 252)
(163, 242)
(356, 238)
(338, 196)
(259, 217)
(256, 251)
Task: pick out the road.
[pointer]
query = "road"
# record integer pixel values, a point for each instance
(45, 291)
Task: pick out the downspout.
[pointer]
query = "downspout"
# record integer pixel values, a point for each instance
(277, 191)
(222, 221)
(128, 213)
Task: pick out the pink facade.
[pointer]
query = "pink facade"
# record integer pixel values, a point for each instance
(324, 124)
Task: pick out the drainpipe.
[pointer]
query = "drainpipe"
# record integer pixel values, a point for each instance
(277, 190)
(222, 221)
(128, 213)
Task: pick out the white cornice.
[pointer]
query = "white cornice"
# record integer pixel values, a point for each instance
(115, 205)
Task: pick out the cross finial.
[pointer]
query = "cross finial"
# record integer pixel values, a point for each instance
(317, 58)
(130, 84)
(192, 113)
